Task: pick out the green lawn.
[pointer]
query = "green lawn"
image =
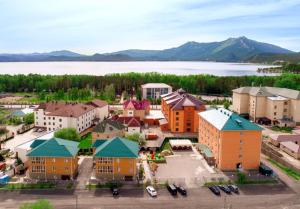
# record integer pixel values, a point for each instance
(19, 186)
(86, 142)
(282, 129)
(290, 172)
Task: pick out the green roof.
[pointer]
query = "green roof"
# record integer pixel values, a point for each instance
(98, 142)
(237, 122)
(36, 143)
(119, 148)
(55, 147)
(205, 150)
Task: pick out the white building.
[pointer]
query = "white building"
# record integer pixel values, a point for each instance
(57, 115)
(154, 90)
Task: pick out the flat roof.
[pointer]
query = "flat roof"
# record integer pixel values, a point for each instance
(180, 142)
(279, 98)
(155, 85)
(155, 114)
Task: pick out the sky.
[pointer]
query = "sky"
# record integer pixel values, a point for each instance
(98, 26)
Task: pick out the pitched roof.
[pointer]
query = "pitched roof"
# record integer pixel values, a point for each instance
(37, 142)
(55, 147)
(98, 103)
(118, 147)
(108, 125)
(291, 146)
(128, 120)
(155, 85)
(180, 99)
(137, 105)
(224, 119)
(269, 91)
(98, 142)
(285, 137)
(134, 123)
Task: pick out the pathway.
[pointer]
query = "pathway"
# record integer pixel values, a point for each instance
(85, 171)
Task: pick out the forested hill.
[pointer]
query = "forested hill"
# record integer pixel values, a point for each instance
(239, 49)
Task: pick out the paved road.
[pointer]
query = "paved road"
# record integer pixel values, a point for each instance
(250, 198)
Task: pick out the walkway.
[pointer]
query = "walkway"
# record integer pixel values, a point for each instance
(85, 171)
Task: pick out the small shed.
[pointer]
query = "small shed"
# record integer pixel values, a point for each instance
(181, 144)
(207, 154)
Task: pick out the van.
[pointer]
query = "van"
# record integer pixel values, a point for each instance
(172, 189)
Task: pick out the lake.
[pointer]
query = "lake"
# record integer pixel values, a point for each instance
(102, 68)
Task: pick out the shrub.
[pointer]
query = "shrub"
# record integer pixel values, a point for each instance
(67, 133)
(241, 178)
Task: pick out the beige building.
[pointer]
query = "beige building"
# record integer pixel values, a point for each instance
(279, 105)
(154, 90)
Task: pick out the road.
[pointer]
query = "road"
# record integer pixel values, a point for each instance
(251, 198)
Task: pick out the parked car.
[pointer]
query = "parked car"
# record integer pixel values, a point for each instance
(265, 170)
(215, 190)
(151, 191)
(233, 188)
(225, 189)
(172, 189)
(181, 190)
(114, 191)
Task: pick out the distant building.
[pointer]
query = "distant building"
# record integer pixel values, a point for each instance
(155, 90)
(108, 129)
(132, 124)
(234, 141)
(102, 108)
(56, 115)
(134, 108)
(53, 159)
(280, 105)
(116, 159)
(181, 111)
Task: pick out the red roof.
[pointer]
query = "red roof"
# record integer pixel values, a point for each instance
(98, 103)
(134, 104)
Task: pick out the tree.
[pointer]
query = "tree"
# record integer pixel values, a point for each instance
(39, 204)
(136, 137)
(28, 119)
(226, 104)
(67, 133)
(109, 92)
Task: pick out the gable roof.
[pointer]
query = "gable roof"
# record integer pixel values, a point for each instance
(133, 121)
(108, 125)
(226, 120)
(137, 105)
(55, 147)
(291, 146)
(118, 147)
(98, 142)
(98, 103)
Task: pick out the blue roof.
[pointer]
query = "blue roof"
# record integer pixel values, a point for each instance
(98, 142)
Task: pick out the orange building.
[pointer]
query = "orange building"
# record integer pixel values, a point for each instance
(234, 141)
(54, 159)
(134, 108)
(181, 111)
(115, 159)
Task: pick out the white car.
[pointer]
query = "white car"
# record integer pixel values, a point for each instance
(152, 192)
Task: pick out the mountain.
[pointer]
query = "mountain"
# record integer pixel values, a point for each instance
(239, 49)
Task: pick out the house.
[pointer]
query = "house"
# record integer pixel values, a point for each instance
(291, 148)
(102, 108)
(56, 115)
(155, 90)
(54, 159)
(234, 141)
(132, 124)
(134, 108)
(280, 105)
(181, 111)
(276, 139)
(108, 129)
(116, 159)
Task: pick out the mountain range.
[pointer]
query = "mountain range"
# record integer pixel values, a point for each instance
(239, 49)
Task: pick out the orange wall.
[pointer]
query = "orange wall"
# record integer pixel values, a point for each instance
(121, 166)
(96, 135)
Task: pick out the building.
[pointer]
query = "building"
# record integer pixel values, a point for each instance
(116, 159)
(134, 108)
(181, 111)
(108, 129)
(276, 139)
(132, 124)
(54, 159)
(21, 113)
(291, 148)
(155, 90)
(102, 108)
(56, 115)
(234, 141)
(280, 105)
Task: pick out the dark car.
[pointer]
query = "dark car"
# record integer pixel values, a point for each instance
(265, 170)
(114, 191)
(225, 189)
(215, 190)
(233, 188)
(172, 189)
(181, 190)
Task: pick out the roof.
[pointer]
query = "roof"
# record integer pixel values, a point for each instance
(291, 146)
(98, 142)
(27, 145)
(269, 92)
(55, 147)
(163, 121)
(118, 148)
(134, 123)
(22, 112)
(180, 142)
(285, 137)
(156, 85)
(155, 114)
(98, 103)
(224, 119)
(37, 142)
(137, 105)
(128, 120)
(205, 150)
(180, 99)
(65, 109)
(108, 125)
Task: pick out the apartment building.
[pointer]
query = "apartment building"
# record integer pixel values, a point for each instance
(53, 159)
(134, 108)
(108, 129)
(116, 159)
(155, 90)
(234, 141)
(281, 106)
(56, 115)
(181, 111)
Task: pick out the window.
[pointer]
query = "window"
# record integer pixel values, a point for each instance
(38, 169)
(275, 113)
(105, 169)
(66, 160)
(177, 118)
(37, 160)
(275, 107)
(285, 103)
(60, 120)
(66, 168)
(285, 110)
(177, 124)
(105, 160)
(53, 168)
(177, 113)
(53, 160)
(188, 124)
(177, 129)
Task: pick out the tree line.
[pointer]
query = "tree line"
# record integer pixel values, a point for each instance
(81, 85)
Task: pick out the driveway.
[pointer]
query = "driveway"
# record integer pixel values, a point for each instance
(85, 171)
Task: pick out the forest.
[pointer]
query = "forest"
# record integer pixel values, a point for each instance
(81, 85)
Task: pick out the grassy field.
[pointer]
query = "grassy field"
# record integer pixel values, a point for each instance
(86, 142)
(282, 129)
(19, 186)
(290, 172)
